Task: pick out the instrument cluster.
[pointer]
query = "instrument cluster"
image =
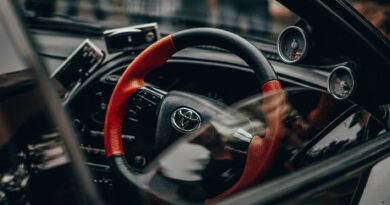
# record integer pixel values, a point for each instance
(294, 46)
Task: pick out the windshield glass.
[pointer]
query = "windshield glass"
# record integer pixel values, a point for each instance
(260, 18)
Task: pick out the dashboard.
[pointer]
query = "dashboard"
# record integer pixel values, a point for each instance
(227, 85)
(303, 57)
(204, 70)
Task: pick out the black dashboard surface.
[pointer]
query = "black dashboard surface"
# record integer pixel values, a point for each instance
(207, 71)
(55, 51)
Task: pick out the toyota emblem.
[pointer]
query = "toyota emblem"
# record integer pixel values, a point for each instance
(185, 120)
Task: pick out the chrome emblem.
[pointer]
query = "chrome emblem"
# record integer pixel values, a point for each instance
(185, 120)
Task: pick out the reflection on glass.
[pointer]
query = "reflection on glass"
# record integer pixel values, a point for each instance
(349, 130)
(249, 143)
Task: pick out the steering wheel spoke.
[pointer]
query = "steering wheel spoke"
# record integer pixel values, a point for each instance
(144, 103)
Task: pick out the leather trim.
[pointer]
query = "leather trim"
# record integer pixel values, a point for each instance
(262, 151)
(132, 79)
(273, 85)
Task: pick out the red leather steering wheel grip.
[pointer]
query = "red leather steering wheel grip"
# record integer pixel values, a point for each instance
(261, 150)
(132, 79)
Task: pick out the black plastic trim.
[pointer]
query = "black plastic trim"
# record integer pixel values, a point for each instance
(292, 185)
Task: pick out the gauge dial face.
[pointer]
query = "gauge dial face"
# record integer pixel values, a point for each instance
(341, 83)
(292, 44)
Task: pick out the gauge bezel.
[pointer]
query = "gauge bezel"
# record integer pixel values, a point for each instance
(305, 47)
(351, 73)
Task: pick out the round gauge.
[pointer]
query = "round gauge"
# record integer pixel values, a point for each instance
(292, 44)
(341, 82)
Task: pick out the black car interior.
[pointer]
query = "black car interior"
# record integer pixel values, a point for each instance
(217, 75)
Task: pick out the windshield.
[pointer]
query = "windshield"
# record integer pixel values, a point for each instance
(259, 18)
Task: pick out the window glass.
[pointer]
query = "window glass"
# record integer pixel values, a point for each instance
(368, 186)
(338, 192)
(376, 188)
(350, 131)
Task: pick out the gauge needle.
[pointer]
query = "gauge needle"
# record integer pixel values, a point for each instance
(294, 46)
(344, 85)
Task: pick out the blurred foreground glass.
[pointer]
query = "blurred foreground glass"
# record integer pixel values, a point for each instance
(35, 167)
(234, 147)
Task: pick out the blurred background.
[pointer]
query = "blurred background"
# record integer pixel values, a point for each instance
(262, 18)
(265, 18)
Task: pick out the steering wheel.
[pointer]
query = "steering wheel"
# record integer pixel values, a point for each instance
(261, 149)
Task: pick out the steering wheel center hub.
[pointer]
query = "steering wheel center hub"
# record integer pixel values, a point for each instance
(186, 120)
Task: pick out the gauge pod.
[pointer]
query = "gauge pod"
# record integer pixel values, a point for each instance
(292, 44)
(341, 82)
